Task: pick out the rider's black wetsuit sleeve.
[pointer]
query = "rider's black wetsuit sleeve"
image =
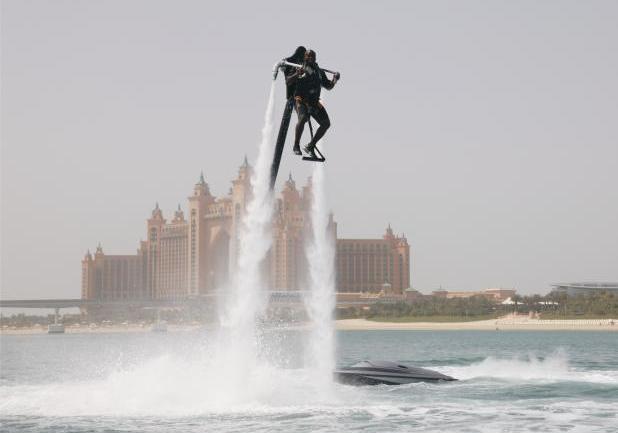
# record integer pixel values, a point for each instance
(291, 79)
(326, 83)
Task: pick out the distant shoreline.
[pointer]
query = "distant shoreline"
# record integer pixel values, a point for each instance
(502, 324)
(114, 329)
(520, 324)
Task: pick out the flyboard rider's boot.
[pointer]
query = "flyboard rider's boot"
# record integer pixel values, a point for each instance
(310, 150)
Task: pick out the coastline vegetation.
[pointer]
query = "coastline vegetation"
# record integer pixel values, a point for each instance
(600, 305)
(554, 306)
(436, 319)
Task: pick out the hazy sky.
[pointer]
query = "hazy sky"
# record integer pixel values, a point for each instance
(487, 131)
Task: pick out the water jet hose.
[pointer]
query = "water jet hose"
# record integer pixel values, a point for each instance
(284, 62)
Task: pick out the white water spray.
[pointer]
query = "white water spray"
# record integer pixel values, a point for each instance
(321, 300)
(247, 299)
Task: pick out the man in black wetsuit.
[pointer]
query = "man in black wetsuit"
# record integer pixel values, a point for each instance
(308, 82)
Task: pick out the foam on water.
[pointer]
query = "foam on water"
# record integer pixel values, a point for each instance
(170, 386)
(196, 383)
(554, 367)
(187, 392)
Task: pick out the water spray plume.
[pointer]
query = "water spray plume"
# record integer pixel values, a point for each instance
(238, 340)
(247, 294)
(321, 300)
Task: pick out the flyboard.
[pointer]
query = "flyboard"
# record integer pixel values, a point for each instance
(285, 125)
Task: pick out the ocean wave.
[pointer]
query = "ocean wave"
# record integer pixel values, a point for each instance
(528, 367)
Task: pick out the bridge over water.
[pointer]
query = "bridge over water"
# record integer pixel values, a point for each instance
(282, 299)
(275, 297)
(278, 298)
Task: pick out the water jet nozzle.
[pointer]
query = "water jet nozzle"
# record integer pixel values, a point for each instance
(276, 68)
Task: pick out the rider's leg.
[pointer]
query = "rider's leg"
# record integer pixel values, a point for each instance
(321, 116)
(303, 117)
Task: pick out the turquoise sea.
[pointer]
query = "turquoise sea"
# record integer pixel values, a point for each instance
(510, 381)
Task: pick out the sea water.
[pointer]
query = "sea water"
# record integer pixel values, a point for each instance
(145, 382)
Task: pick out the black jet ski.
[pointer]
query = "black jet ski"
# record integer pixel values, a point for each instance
(386, 373)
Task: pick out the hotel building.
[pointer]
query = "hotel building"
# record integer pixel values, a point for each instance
(196, 254)
(368, 265)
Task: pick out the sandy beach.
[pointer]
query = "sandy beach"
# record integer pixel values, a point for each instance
(487, 325)
(506, 323)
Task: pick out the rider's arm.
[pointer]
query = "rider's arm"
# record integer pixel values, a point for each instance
(326, 83)
(291, 79)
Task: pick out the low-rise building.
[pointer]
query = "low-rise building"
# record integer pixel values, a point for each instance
(585, 288)
(495, 294)
(113, 278)
(367, 265)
